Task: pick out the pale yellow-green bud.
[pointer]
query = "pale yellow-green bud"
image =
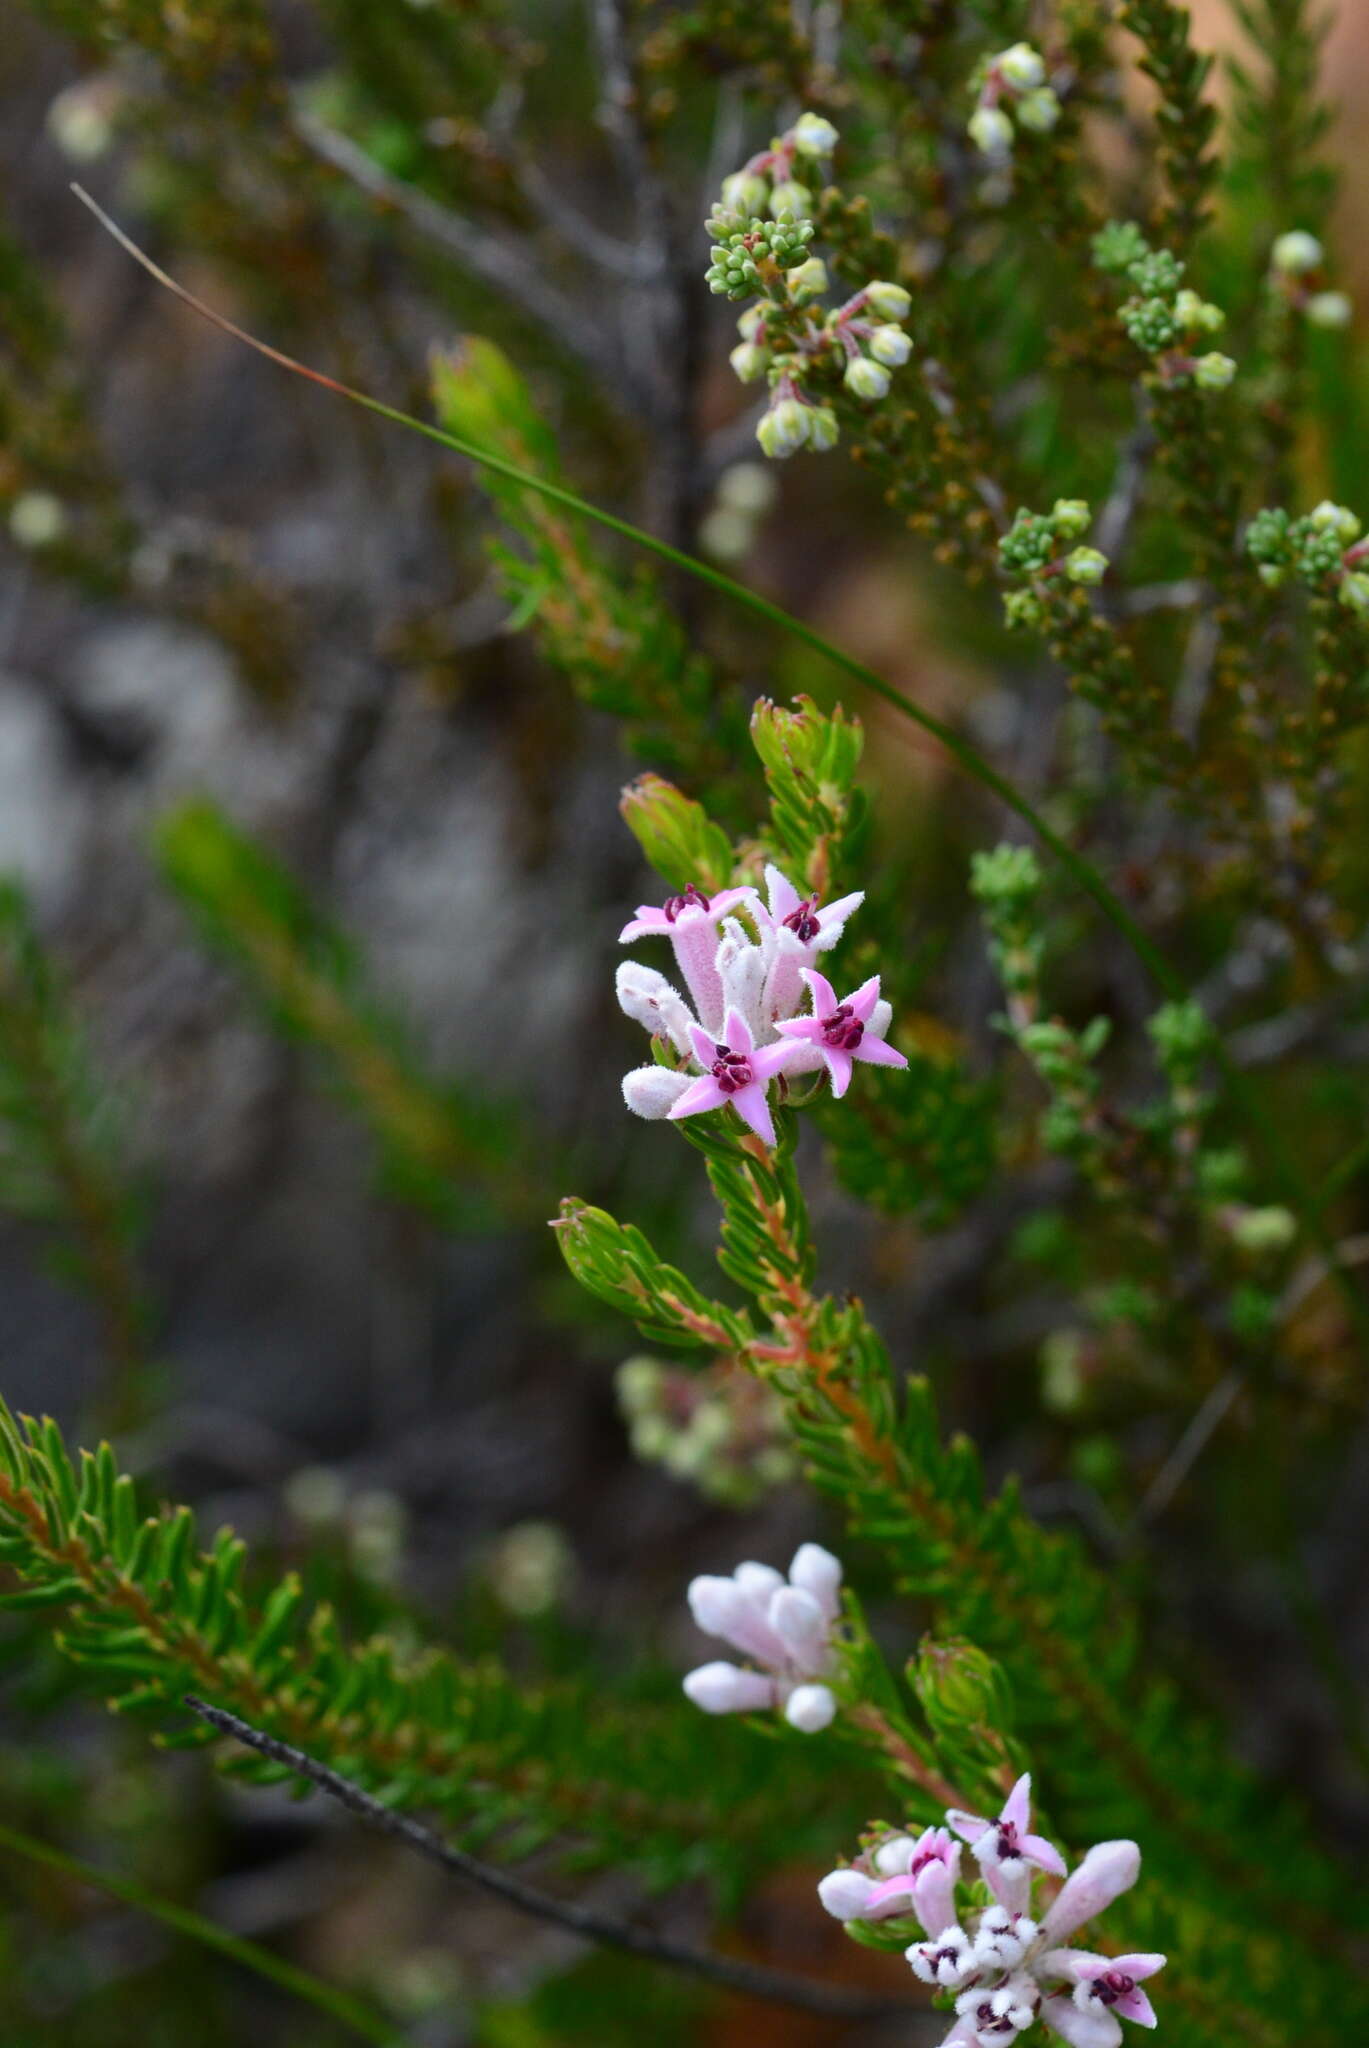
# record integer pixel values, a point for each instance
(991, 131)
(1021, 67)
(792, 198)
(745, 193)
(866, 379)
(1328, 517)
(1071, 517)
(807, 280)
(889, 301)
(1264, 1230)
(1329, 309)
(814, 136)
(784, 428)
(1213, 372)
(749, 361)
(1038, 111)
(1086, 565)
(889, 345)
(1296, 253)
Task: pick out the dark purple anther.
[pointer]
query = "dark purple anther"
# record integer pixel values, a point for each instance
(692, 899)
(731, 1070)
(843, 1032)
(1007, 1841)
(802, 921)
(1116, 1984)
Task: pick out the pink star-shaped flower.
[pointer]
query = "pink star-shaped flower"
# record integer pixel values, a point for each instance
(1107, 1989)
(839, 1030)
(738, 1071)
(1004, 1848)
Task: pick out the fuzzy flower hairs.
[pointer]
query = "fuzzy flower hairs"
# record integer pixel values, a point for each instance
(761, 1009)
(1003, 1964)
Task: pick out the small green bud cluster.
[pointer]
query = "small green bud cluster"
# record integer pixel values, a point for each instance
(1165, 318)
(720, 1431)
(1297, 273)
(1322, 550)
(1012, 94)
(1006, 881)
(742, 248)
(1036, 545)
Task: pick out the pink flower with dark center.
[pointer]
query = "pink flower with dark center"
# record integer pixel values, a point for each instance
(839, 1031)
(1107, 1990)
(690, 921)
(736, 1070)
(1005, 1849)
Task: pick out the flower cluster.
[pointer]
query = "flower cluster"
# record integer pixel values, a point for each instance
(748, 981)
(1037, 546)
(1297, 273)
(1003, 1966)
(789, 339)
(721, 1430)
(1323, 550)
(1164, 318)
(784, 1625)
(1012, 94)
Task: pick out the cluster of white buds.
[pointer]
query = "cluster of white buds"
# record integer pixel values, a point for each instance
(767, 183)
(1297, 265)
(862, 337)
(748, 981)
(785, 1626)
(721, 1430)
(1003, 1963)
(788, 337)
(1013, 94)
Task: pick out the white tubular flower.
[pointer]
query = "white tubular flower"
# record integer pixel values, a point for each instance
(991, 131)
(889, 345)
(648, 998)
(1002, 1938)
(845, 1893)
(995, 2017)
(1297, 252)
(652, 1092)
(866, 379)
(1020, 67)
(811, 135)
(742, 968)
(785, 1625)
(945, 1961)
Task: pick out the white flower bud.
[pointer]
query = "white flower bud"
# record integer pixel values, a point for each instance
(889, 301)
(1086, 565)
(1296, 253)
(1038, 111)
(758, 1578)
(807, 280)
(723, 1688)
(810, 1708)
(1108, 1870)
(1354, 593)
(749, 361)
(1071, 517)
(823, 429)
(889, 345)
(784, 428)
(750, 323)
(815, 1570)
(894, 1857)
(1213, 372)
(801, 1626)
(866, 379)
(653, 1092)
(844, 1893)
(791, 198)
(1329, 309)
(648, 998)
(813, 136)
(991, 131)
(1021, 67)
(1338, 519)
(745, 193)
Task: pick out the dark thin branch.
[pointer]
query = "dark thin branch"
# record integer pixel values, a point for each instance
(503, 262)
(751, 1980)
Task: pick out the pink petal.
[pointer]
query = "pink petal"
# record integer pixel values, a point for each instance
(821, 990)
(705, 1048)
(1011, 1888)
(1139, 1966)
(837, 914)
(864, 999)
(879, 1053)
(737, 1032)
(1109, 1869)
(752, 1107)
(1136, 2006)
(969, 1826)
(892, 1893)
(768, 1060)
(839, 1067)
(784, 897)
(1081, 2029)
(704, 1094)
(728, 899)
(646, 921)
(1043, 1854)
(1017, 1809)
(801, 1027)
